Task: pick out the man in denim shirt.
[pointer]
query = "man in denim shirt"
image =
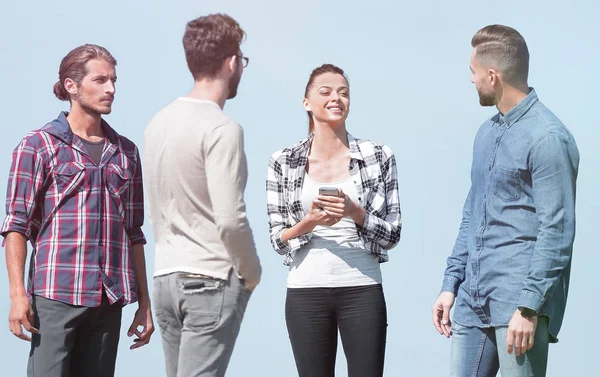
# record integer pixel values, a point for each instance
(510, 266)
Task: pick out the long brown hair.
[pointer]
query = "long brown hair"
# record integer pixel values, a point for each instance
(73, 67)
(325, 68)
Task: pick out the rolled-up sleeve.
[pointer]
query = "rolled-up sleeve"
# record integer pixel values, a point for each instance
(25, 180)
(135, 205)
(385, 229)
(277, 207)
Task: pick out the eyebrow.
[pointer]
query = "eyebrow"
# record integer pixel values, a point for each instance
(329, 87)
(101, 76)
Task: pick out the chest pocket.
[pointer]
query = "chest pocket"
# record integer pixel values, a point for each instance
(68, 178)
(507, 184)
(118, 179)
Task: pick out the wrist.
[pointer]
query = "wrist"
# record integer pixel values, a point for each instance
(358, 214)
(308, 224)
(17, 293)
(527, 312)
(143, 302)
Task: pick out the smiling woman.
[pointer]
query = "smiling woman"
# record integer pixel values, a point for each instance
(327, 73)
(333, 244)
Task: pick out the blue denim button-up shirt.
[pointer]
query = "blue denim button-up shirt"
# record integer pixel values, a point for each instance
(516, 237)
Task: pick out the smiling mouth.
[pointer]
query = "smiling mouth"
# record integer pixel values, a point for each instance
(335, 109)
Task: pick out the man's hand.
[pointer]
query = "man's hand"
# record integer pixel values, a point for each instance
(441, 313)
(520, 334)
(143, 318)
(21, 315)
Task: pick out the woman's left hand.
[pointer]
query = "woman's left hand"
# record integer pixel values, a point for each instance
(338, 206)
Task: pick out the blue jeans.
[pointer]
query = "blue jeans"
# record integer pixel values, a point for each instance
(480, 352)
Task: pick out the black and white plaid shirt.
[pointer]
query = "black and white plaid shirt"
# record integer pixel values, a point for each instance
(373, 169)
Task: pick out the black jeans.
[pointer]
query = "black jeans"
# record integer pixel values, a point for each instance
(313, 316)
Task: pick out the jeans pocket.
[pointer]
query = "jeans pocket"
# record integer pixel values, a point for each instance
(202, 300)
(507, 184)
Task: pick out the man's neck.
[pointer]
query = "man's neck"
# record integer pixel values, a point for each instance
(214, 90)
(329, 141)
(85, 124)
(511, 97)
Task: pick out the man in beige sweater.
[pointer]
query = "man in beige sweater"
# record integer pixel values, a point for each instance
(195, 175)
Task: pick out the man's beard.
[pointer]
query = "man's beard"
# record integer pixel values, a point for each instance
(486, 99)
(234, 82)
(91, 109)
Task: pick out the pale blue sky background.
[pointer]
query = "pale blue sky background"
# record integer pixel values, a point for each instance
(410, 87)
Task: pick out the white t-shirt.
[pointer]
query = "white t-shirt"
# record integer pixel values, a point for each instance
(335, 256)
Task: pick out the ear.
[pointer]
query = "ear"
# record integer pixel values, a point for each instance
(493, 77)
(70, 86)
(232, 62)
(306, 104)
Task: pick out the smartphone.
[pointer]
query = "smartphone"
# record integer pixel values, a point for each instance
(328, 191)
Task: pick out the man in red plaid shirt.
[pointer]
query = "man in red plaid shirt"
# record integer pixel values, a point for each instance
(75, 192)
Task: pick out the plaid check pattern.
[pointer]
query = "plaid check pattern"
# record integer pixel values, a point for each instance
(81, 219)
(373, 169)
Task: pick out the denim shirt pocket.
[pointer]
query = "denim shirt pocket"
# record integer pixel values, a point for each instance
(507, 184)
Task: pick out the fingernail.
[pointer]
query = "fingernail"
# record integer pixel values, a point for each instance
(129, 333)
(444, 322)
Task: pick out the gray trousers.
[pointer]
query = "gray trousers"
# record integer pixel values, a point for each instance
(74, 341)
(199, 319)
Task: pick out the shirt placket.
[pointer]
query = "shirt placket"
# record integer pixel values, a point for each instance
(107, 154)
(498, 129)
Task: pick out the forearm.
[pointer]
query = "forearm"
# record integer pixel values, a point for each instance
(553, 164)
(385, 232)
(16, 253)
(236, 235)
(139, 268)
(457, 261)
(358, 215)
(301, 228)
(551, 256)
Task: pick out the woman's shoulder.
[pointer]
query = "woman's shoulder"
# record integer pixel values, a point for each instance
(371, 147)
(289, 151)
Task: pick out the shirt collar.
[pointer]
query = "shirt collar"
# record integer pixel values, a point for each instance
(302, 148)
(518, 111)
(60, 128)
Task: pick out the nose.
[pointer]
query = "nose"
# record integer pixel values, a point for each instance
(110, 87)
